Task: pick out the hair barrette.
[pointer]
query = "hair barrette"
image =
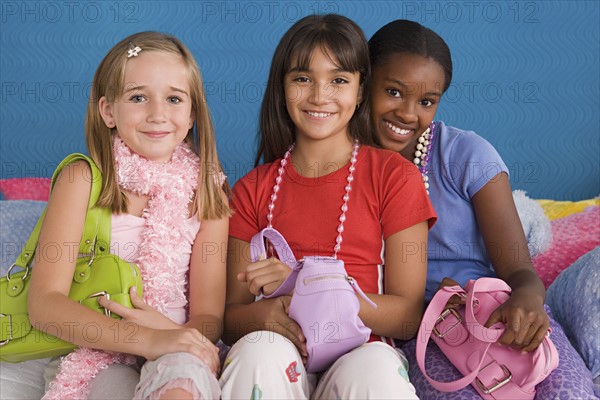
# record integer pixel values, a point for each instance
(133, 51)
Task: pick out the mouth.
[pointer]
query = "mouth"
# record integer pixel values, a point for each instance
(396, 129)
(156, 134)
(319, 115)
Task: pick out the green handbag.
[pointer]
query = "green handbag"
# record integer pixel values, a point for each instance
(97, 273)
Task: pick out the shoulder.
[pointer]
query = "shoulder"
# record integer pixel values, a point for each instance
(390, 168)
(257, 176)
(459, 143)
(250, 187)
(384, 159)
(468, 160)
(76, 176)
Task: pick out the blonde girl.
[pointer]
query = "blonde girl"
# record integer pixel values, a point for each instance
(149, 130)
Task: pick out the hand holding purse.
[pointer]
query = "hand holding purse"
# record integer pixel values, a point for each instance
(97, 273)
(324, 301)
(496, 372)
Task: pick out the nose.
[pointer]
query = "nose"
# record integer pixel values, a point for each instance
(157, 112)
(321, 93)
(406, 112)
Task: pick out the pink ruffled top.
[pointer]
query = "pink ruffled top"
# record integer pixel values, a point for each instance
(125, 241)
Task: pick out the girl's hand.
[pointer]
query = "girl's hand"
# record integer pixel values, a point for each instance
(169, 336)
(266, 275)
(455, 300)
(525, 320)
(274, 316)
(142, 315)
(188, 340)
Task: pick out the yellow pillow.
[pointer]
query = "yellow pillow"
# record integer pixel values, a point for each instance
(559, 209)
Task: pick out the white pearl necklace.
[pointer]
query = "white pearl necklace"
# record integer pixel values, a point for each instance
(345, 198)
(423, 152)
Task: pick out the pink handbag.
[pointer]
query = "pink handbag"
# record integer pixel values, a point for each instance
(324, 302)
(496, 372)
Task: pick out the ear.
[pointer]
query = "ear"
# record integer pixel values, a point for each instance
(106, 111)
(359, 96)
(192, 119)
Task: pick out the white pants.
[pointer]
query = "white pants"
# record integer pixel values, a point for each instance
(265, 365)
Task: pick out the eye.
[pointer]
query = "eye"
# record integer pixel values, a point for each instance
(301, 79)
(137, 98)
(393, 92)
(340, 81)
(427, 103)
(174, 100)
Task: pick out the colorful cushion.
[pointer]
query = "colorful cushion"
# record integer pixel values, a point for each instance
(25, 189)
(574, 298)
(572, 237)
(560, 209)
(17, 219)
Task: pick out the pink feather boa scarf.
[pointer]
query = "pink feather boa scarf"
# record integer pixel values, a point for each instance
(171, 187)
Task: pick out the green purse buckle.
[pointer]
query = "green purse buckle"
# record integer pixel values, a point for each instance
(10, 332)
(100, 294)
(27, 269)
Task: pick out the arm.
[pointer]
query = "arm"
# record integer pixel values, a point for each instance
(207, 278)
(49, 304)
(399, 310)
(242, 314)
(523, 314)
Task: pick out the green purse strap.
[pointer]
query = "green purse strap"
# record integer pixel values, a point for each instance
(96, 233)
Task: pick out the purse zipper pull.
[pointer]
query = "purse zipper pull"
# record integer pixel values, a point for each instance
(358, 290)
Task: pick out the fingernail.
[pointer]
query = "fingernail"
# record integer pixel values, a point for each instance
(523, 353)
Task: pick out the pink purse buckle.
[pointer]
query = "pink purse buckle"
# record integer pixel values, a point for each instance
(499, 383)
(448, 312)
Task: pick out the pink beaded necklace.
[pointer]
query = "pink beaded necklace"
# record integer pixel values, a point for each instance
(345, 198)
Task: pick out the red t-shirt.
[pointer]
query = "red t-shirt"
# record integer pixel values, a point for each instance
(387, 196)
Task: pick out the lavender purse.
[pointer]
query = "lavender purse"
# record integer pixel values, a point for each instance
(324, 301)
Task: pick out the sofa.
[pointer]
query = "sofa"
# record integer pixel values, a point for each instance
(563, 236)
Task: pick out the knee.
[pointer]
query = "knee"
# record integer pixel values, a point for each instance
(374, 363)
(262, 345)
(179, 394)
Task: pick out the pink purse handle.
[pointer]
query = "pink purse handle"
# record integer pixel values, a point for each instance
(483, 285)
(285, 254)
(432, 313)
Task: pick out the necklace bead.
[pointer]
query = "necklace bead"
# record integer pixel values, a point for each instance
(422, 153)
(345, 197)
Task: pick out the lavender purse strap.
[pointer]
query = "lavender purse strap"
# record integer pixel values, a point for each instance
(284, 253)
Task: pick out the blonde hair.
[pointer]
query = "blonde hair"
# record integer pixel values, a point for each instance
(211, 196)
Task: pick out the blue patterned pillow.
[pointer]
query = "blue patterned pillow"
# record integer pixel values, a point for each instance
(17, 220)
(574, 298)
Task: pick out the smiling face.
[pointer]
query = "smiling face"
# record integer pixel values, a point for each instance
(154, 113)
(405, 93)
(321, 100)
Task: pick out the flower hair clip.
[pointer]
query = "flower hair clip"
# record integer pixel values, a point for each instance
(133, 50)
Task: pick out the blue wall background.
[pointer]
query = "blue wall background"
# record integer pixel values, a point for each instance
(526, 75)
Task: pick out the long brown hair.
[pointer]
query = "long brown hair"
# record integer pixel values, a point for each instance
(210, 199)
(345, 43)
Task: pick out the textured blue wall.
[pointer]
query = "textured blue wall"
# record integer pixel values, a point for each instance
(526, 75)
